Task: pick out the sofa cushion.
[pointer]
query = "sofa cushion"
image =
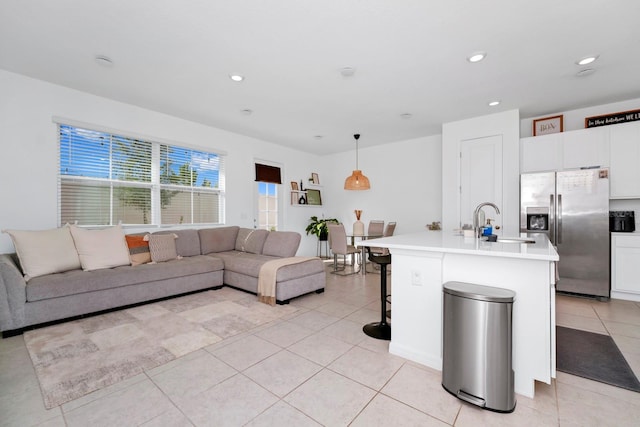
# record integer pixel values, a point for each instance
(218, 239)
(78, 281)
(282, 244)
(249, 265)
(251, 240)
(138, 249)
(45, 251)
(243, 262)
(103, 248)
(162, 247)
(188, 242)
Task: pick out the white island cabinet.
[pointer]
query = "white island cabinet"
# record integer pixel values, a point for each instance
(422, 262)
(625, 266)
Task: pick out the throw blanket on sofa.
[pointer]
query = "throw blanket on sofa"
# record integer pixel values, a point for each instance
(267, 277)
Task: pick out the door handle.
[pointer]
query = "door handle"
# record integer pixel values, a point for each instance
(552, 222)
(559, 218)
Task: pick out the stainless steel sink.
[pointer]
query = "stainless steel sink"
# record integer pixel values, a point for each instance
(509, 239)
(515, 240)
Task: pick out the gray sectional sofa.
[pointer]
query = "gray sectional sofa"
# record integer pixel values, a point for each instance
(210, 258)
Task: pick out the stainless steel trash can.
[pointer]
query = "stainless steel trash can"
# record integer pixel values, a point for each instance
(476, 357)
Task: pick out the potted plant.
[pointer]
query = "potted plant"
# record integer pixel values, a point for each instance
(318, 226)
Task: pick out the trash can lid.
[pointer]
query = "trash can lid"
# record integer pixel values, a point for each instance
(479, 292)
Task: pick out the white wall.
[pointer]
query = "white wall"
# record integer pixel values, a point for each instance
(405, 181)
(28, 147)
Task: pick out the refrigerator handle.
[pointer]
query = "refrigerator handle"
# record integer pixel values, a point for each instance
(552, 222)
(559, 218)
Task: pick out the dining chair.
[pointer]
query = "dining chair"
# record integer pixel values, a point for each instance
(339, 246)
(375, 228)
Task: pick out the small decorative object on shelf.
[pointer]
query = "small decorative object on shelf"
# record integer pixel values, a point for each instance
(435, 225)
(294, 186)
(314, 197)
(358, 226)
(301, 186)
(314, 179)
(302, 200)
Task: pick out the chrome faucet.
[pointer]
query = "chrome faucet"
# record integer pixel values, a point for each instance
(476, 220)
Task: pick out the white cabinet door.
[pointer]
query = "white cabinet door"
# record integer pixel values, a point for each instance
(541, 153)
(625, 160)
(625, 267)
(567, 150)
(585, 148)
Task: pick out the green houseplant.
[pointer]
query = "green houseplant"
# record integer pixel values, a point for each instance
(318, 226)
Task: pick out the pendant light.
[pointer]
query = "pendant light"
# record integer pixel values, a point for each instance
(357, 181)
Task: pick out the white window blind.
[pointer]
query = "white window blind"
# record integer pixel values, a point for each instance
(107, 179)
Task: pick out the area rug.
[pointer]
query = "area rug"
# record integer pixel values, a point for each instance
(593, 356)
(78, 357)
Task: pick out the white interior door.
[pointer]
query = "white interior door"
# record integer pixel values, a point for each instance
(480, 176)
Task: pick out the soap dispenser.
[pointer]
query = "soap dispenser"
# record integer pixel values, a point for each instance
(487, 230)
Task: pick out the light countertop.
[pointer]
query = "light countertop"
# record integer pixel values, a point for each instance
(449, 242)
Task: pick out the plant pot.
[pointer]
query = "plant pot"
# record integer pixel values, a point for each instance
(323, 236)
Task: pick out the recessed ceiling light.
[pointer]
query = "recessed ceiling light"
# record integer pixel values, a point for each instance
(494, 103)
(587, 60)
(347, 71)
(105, 61)
(317, 136)
(406, 115)
(586, 72)
(236, 77)
(476, 56)
(246, 112)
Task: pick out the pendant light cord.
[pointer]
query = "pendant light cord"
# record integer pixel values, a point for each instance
(357, 137)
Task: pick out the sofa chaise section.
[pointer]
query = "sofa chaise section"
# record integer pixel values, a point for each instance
(244, 251)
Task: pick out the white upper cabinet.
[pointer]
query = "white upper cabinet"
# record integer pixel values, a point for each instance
(625, 161)
(585, 148)
(565, 150)
(541, 153)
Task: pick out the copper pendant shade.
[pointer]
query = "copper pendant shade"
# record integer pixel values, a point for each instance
(357, 181)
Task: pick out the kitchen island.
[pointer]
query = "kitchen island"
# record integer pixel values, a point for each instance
(422, 262)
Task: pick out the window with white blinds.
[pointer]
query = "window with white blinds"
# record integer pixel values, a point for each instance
(107, 179)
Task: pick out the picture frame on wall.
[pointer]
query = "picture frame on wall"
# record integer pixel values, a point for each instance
(315, 179)
(548, 125)
(314, 197)
(294, 198)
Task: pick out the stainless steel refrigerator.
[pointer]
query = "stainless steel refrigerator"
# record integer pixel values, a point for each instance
(572, 209)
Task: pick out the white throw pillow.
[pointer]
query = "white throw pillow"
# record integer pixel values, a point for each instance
(45, 251)
(103, 248)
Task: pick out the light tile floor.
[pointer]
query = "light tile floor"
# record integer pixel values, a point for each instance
(318, 368)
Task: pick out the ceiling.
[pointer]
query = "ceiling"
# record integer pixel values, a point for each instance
(409, 56)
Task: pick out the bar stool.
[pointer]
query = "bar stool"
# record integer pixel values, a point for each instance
(380, 330)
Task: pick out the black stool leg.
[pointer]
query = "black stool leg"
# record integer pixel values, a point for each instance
(380, 330)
